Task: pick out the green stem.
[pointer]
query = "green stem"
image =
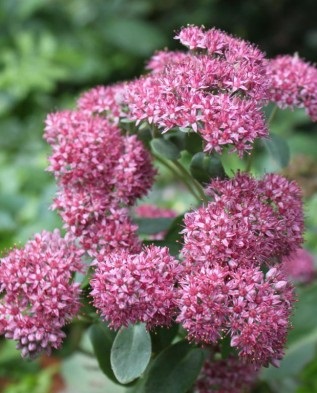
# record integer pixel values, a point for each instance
(177, 174)
(187, 175)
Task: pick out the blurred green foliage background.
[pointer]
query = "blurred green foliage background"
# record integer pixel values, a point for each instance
(51, 50)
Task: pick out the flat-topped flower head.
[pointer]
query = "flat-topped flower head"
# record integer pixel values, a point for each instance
(260, 308)
(285, 197)
(130, 288)
(84, 148)
(293, 83)
(96, 167)
(90, 151)
(165, 58)
(244, 304)
(192, 37)
(104, 100)
(81, 207)
(216, 94)
(213, 235)
(133, 173)
(111, 233)
(245, 63)
(203, 304)
(38, 295)
(249, 222)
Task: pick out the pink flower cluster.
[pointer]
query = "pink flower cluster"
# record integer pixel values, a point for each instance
(113, 232)
(98, 171)
(252, 307)
(104, 100)
(229, 375)
(42, 298)
(217, 92)
(229, 284)
(259, 311)
(130, 288)
(219, 289)
(293, 83)
(242, 63)
(249, 224)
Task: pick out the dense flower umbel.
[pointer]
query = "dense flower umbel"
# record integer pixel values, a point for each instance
(38, 295)
(299, 266)
(103, 100)
(130, 288)
(90, 151)
(203, 303)
(81, 207)
(110, 233)
(250, 221)
(96, 167)
(243, 63)
(259, 314)
(293, 83)
(216, 96)
(231, 375)
(84, 149)
(253, 309)
(133, 174)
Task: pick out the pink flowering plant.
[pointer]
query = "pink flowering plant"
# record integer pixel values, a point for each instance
(192, 302)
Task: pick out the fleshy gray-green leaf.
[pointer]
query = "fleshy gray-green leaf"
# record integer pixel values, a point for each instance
(130, 353)
(102, 339)
(175, 369)
(204, 167)
(165, 148)
(278, 149)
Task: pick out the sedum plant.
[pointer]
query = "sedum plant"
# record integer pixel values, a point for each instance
(174, 303)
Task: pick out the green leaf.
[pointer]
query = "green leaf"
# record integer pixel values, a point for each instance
(145, 136)
(193, 142)
(163, 336)
(130, 353)
(226, 348)
(172, 238)
(173, 233)
(102, 339)
(165, 148)
(178, 138)
(175, 369)
(204, 167)
(308, 378)
(151, 226)
(278, 149)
